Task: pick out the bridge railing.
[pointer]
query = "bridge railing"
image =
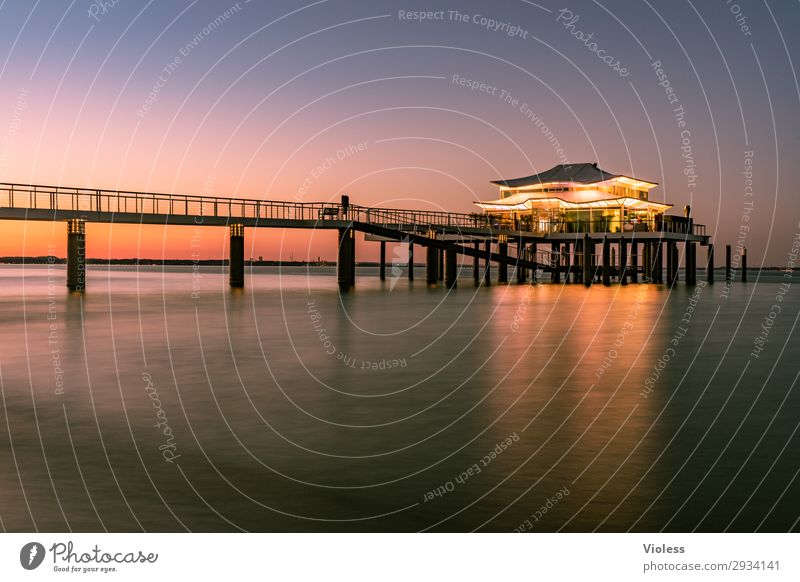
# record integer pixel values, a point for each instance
(28, 196)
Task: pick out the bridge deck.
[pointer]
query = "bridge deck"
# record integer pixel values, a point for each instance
(56, 203)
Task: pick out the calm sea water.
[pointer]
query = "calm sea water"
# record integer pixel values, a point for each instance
(160, 400)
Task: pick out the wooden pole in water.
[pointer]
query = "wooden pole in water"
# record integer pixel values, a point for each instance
(578, 260)
(554, 252)
(476, 264)
(383, 261)
(410, 261)
(520, 257)
(451, 267)
(744, 264)
(710, 264)
(728, 273)
(344, 267)
(432, 265)
(502, 268)
(588, 251)
(533, 252)
(658, 263)
(634, 261)
(487, 272)
(236, 260)
(623, 261)
(691, 263)
(606, 261)
(76, 254)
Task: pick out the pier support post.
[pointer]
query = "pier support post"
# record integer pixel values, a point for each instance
(345, 269)
(606, 261)
(728, 272)
(555, 253)
(691, 263)
(440, 264)
(647, 261)
(623, 261)
(502, 268)
(658, 262)
(487, 271)
(710, 264)
(744, 264)
(672, 263)
(565, 262)
(578, 260)
(521, 272)
(410, 261)
(76, 254)
(451, 267)
(588, 251)
(634, 261)
(236, 260)
(476, 268)
(431, 264)
(383, 260)
(533, 252)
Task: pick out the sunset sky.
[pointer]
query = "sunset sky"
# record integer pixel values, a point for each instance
(250, 99)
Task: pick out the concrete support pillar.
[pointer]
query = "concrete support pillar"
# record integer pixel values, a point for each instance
(410, 261)
(672, 262)
(487, 271)
(623, 261)
(521, 272)
(476, 268)
(634, 262)
(691, 263)
(236, 261)
(728, 272)
(432, 265)
(555, 261)
(744, 265)
(658, 262)
(710, 264)
(76, 254)
(588, 251)
(345, 268)
(502, 268)
(606, 261)
(383, 261)
(451, 267)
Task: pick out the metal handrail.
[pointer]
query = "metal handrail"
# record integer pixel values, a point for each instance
(34, 196)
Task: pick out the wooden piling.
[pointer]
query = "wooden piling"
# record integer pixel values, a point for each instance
(555, 252)
(691, 263)
(744, 264)
(521, 271)
(451, 267)
(432, 265)
(487, 271)
(383, 261)
(410, 261)
(502, 268)
(588, 251)
(710, 264)
(623, 261)
(236, 260)
(634, 261)
(606, 261)
(344, 261)
(76, 254)
(728, 272)
(476, 269)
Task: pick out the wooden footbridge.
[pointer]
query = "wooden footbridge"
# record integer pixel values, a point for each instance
(444, 235)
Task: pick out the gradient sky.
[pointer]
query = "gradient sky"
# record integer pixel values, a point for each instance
(256, 104)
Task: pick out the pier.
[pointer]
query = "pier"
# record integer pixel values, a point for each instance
(570, 257)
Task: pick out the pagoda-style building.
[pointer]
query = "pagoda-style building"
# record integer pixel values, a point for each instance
(576, 198)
